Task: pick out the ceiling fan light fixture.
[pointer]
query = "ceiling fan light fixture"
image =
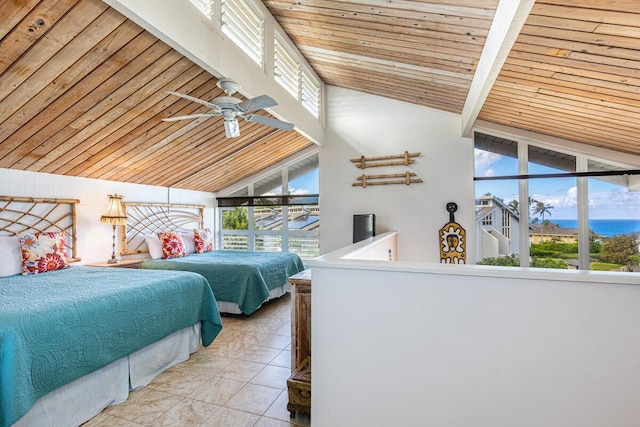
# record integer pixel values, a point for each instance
(231, 128)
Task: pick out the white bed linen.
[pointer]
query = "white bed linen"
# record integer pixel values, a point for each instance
(233, 308)
(84, 398)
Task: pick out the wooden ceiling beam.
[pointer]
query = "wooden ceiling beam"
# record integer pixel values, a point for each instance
(509, 19)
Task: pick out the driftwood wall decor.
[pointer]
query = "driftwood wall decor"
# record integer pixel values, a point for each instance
(406, 178)
(372, 162)
(388, 179)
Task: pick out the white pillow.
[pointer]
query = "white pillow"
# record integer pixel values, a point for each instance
(10, 256)
(189, 241)
(154, 245)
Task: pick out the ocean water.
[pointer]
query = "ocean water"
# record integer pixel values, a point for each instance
(604, 227)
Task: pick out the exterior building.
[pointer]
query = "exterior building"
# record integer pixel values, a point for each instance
(496, 228)
(545, 233)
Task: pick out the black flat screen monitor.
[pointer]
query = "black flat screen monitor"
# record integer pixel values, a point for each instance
(364, 226)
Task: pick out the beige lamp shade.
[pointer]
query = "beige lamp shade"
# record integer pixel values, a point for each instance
(115, 214)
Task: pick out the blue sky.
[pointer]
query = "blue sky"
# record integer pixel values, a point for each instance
(606, 201)
(305, 184)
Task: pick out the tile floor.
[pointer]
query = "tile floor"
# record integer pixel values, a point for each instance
(239, 380)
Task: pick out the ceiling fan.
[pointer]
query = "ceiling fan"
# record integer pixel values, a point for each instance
(231, 107)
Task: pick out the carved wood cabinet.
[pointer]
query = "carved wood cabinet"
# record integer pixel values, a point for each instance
(300, 317)
(299, 384)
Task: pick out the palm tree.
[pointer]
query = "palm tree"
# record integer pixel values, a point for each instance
(541, 209)
(514, 205)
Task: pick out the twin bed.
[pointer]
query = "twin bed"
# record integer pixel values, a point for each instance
(241, 281)
(76, 340)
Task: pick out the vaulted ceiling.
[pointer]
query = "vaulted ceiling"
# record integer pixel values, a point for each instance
(573, 72)
(83, 88)
(83, 91)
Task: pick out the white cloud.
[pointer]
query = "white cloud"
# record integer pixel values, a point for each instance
(483, 161)
(299, 191)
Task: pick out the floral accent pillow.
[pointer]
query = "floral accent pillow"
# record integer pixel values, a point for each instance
(203, 239)
(43, 252)
(172, 245)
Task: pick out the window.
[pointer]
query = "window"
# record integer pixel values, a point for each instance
(552, 202)
(204, 6)
(487, 220)
(506, 224)
(235, 225)
(272, 221)
(614, 218)
(244, 27)
(310, 95)
(583, 211)
(286, 68)
(496, 157)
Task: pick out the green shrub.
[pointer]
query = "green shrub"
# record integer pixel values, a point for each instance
(506, 261)
(548, 263)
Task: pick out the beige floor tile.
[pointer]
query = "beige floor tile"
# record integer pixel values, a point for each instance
(239, 344)
(106, 420)
(187, 413)
(179, 381)
(259, 354)
(144, 406)
(227, 417)
(205, 364)
(217, 391)
(284, 330)
(272, 376)
(278, 410)
(283, 359)
(253, 398)
(242, 370)
(279, 342)
(270, 422)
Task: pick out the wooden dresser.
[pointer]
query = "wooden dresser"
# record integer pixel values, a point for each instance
(299, 384)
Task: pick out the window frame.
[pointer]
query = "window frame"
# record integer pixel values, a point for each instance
(581, 173)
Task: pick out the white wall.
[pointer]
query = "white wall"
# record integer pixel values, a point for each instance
(409, 344)
(359, 124)
(95, 238)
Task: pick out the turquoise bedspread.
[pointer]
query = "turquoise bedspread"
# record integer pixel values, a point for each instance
(244, 278)
(56, 327)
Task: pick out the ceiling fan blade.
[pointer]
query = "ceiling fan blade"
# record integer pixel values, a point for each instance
(199, 101)
(255, 104)
(190, 116)
(269, 121)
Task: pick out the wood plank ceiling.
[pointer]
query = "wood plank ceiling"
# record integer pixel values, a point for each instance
(424, 52)
(83, 92)
(83, 89)
(573, 72)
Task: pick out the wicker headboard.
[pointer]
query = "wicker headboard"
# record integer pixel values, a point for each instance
(29, 215)
(149, 218)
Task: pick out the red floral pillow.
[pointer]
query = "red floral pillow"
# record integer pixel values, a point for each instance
(172, 245)
(43, 252)
(203, 239)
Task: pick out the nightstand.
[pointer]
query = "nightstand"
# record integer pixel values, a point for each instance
(124, 263)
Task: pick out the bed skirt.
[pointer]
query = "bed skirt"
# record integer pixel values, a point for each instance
(233, 308)
(84, 398)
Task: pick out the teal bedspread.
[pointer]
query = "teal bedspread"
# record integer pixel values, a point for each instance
(244, 278)
(56, 327)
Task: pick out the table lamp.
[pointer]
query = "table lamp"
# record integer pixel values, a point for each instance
(115, 216)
